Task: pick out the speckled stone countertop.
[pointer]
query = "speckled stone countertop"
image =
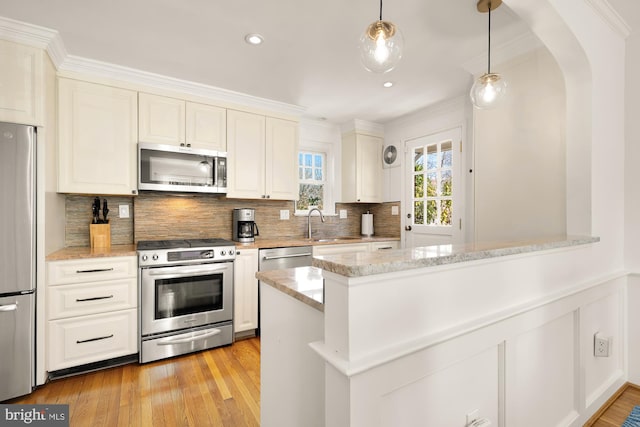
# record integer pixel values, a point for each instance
(84, 252)
(292, 241)
(368, 263)
(302, 283)
(126, 250)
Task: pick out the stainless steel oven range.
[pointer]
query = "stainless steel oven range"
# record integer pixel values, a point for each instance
(186, 296)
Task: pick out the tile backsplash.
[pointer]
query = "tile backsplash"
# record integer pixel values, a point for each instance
(158, 216)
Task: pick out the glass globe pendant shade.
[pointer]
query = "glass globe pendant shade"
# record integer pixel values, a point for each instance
(488, 91)
(381, 47)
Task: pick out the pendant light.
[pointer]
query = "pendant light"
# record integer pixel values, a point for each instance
(490, 88)
(381, 46)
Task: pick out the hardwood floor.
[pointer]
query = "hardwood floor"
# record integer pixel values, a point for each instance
(616, 410)
(219, 387)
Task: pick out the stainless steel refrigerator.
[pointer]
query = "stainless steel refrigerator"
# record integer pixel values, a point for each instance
(17, 260)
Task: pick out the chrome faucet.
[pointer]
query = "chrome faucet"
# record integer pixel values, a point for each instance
(309, 220)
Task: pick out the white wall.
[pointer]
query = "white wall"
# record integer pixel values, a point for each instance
(520, 154)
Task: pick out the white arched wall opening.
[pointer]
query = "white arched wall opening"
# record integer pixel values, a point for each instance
(590, 53)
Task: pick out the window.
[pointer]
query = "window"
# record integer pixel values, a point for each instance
(312, 174)
(432, 184)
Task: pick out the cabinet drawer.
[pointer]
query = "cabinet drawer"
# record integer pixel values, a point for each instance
(77, 341)
(91, 270)
(349, 248)
(101, 297)
(379, 246)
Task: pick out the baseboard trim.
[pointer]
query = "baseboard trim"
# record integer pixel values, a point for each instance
(609, 402)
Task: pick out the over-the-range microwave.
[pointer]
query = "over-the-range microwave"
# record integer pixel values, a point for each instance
(172, 168)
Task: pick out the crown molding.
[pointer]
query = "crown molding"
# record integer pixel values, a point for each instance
(503, 53)
(50, 40)
(610, 16)
(76, 64)
(35, 36)
(363, 127)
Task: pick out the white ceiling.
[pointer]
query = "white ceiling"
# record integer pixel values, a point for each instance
(309, 57)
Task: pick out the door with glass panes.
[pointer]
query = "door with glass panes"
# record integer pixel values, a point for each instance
(433, 203)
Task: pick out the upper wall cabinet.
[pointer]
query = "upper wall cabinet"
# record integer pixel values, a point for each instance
(97, 138)
(361, 168)
(21, 84)
(262, 157)
(173, 121)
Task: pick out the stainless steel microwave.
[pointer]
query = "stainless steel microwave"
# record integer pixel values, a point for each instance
(169, 168)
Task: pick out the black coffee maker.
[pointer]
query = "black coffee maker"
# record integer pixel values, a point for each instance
(244, 225)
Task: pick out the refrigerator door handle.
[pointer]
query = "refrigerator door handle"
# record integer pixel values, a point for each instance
(9, 307)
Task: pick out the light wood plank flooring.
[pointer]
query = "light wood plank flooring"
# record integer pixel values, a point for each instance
(219, 387)
(616, 410)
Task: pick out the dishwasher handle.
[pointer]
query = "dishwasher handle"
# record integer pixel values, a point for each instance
(269, 258)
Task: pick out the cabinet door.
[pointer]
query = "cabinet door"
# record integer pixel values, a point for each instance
(368, 169)
(161, 119)
(21, 92)
(246, 151)
(281, 180)
(86, 339)
(245, 309)
(97, 139)
(206, 126)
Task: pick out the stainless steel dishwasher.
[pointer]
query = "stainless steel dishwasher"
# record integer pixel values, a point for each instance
(279, 258)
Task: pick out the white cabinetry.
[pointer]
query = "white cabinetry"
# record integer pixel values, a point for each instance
(21, 84)
(361, 168)
(92, 310)
(172, 121)
(350, 248)
(245, 313)
(262, 157)
(97, 139)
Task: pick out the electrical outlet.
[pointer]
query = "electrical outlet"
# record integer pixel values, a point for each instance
(395, 210)
(343, 213)
(123, 211)
(600, 345)
(284, 214)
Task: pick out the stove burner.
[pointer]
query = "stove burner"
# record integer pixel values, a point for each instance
(182, 244)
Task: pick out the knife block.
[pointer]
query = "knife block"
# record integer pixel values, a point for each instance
(100, 235)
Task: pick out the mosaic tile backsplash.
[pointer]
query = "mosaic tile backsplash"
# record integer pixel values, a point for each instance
(158, 216)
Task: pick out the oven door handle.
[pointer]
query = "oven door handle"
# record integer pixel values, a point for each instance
(185, 272)
(194, 336)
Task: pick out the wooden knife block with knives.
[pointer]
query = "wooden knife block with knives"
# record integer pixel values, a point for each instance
(100, 229)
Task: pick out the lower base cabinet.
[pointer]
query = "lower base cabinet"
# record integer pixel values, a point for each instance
(92, 310)
(245, 292)
(86, 339)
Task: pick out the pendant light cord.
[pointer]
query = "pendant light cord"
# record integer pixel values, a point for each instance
(489, 38)
(380, 10)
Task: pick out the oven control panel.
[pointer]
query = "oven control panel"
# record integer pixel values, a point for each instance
(158, 257)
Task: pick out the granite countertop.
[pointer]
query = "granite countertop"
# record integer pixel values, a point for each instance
(293, 241)
(127, 250)
(85, 252)
(369, 263)
(302, 283)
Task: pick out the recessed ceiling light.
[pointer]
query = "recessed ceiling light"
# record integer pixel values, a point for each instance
(254, 39)
(387, 84)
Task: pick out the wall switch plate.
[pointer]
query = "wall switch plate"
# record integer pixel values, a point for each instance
(284, 214)
(395, 210)
(123, 211)
(343, 213)
(600, 345)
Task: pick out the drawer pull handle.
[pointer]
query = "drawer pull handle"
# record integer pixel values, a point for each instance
(93, 298)
(385, 247)
(97, 270)
(94, 339)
